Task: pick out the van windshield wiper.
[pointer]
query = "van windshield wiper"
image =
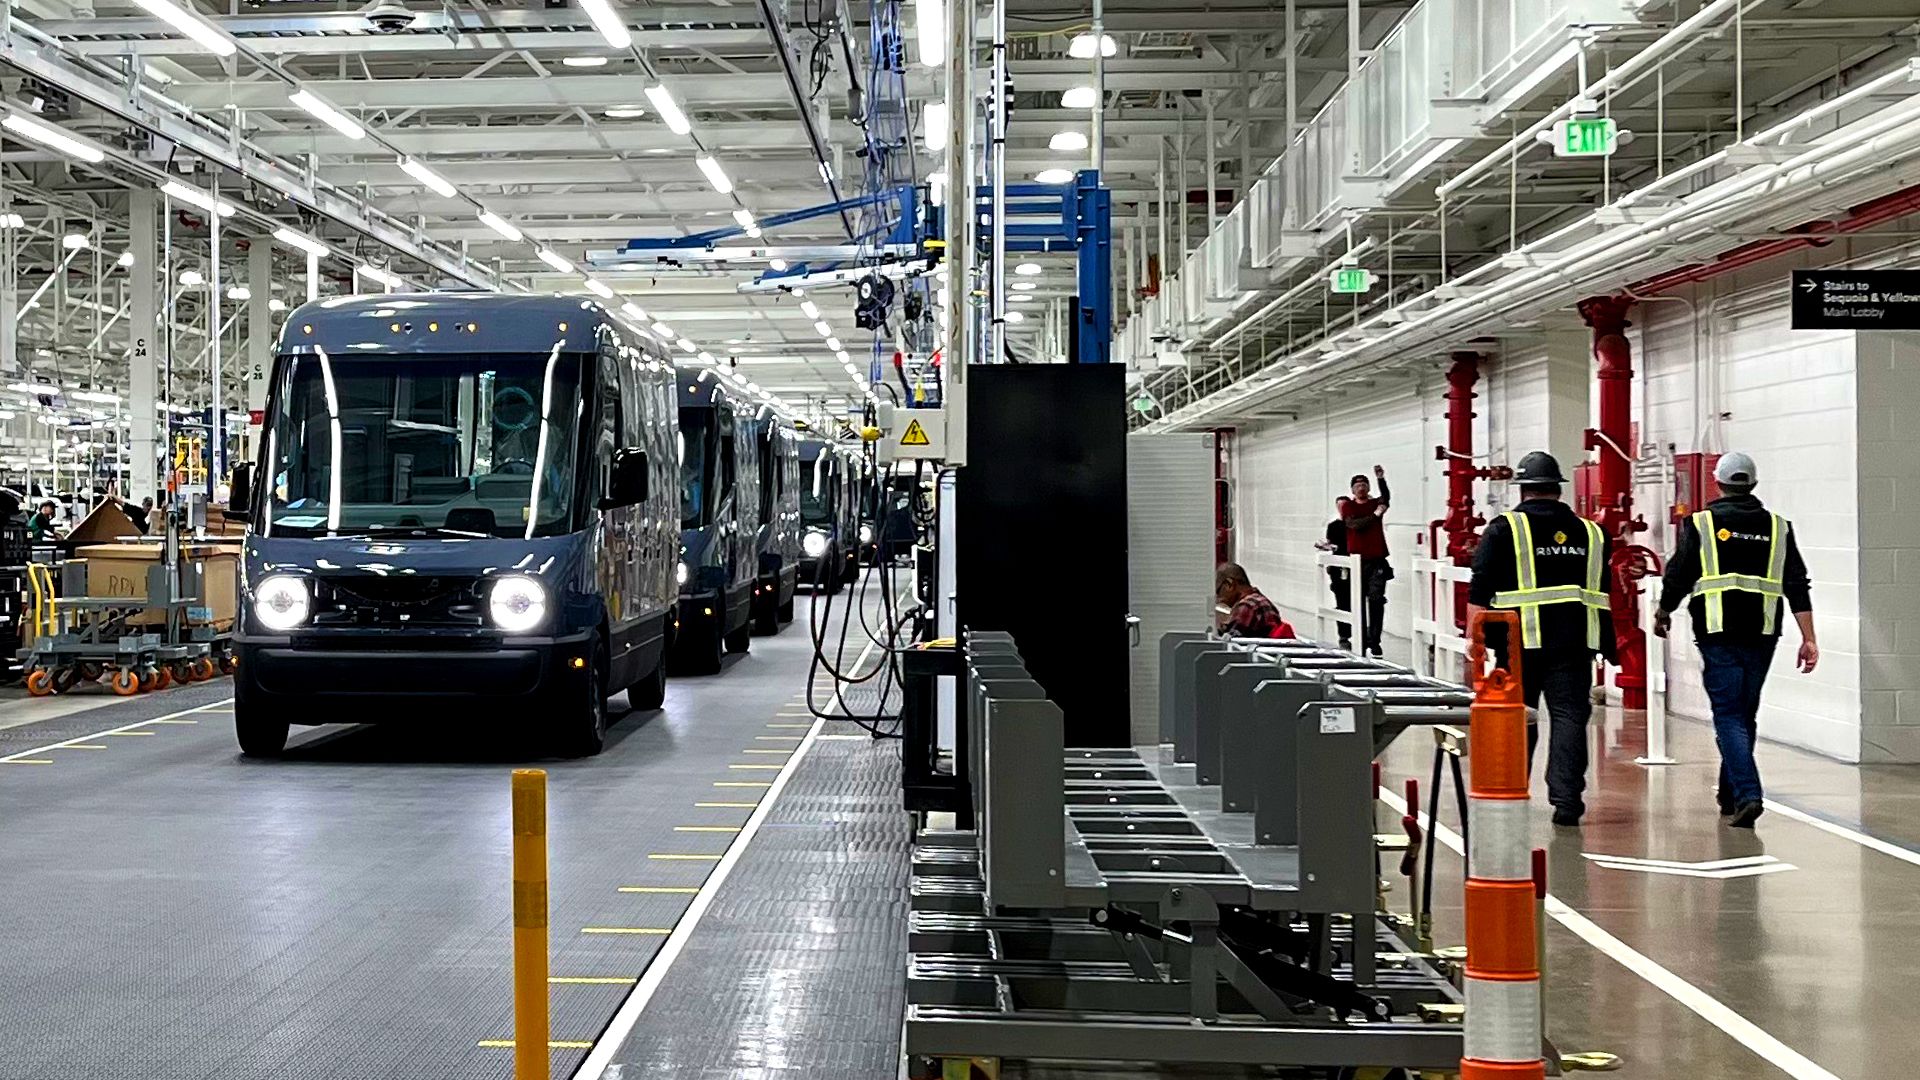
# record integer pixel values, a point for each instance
(375, 532)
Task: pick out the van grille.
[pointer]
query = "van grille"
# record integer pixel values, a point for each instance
(400, 600)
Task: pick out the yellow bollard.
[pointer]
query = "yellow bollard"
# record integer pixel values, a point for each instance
(530, 1015)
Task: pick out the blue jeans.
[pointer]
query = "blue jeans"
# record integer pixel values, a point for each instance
(1733, 675)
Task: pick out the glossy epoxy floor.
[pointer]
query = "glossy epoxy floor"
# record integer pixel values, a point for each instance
(1796, 956)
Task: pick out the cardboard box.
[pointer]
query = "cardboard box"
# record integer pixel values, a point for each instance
(121, 570)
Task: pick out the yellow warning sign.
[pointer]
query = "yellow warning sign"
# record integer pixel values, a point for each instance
(915, 436)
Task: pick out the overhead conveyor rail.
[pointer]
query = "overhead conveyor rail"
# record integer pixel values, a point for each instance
(1109, 898)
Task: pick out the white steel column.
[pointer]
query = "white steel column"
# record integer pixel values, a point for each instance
(313, 277)
(216, 394)
(143, 364)
(259, 334)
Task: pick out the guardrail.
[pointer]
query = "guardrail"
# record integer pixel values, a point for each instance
(1436, 620)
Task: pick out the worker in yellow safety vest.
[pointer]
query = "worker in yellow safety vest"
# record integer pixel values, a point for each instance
(1740, 561)
(1550, 565)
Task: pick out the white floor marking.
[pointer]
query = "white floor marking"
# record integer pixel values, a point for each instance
(81, 739)
(624, 1021)
(1871, 842)
(1718, 869)
(1702, 1004)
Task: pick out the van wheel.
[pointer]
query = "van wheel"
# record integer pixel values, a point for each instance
(650, 692)
(260, 736)
(698, 652)
(786, 611)
(742, 639)
(585, 733)
(767, 619)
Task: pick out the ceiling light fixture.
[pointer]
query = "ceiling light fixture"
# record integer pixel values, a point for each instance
(634, 311)
(192, 279)
(1081, 47)
(383, 277)
(327, 114)
(174, 189)
(825, 330)
(705, 358)
(930, 27)
(296, 240)
(125, 260)
(715, 174)
(11, 220)
(1027, 269)
(687, 346)
(1014, 316)
(933, 125)
(276, 305)
(433, 181)
(1053, 176)
(1067, 141)
(1026, 286)
(556, 261)
(239, 292)
(626, 112)
(834, 344)
(599, 288)
(53, 137)
(1080, 97)
(810, 309)
(75, 242)
(500, 225)
(663, 330)
(608, 22)
(777, 265)
(669, 110)
(589, 61)
(744, 217)
(208, 36)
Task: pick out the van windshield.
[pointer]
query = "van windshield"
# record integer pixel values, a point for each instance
(435, 445)
(696, 468)
(819, 489)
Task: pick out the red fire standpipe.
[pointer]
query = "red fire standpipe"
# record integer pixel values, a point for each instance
(1461, 523)
(1607, 315)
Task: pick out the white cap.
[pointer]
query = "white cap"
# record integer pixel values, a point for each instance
(1736, 468)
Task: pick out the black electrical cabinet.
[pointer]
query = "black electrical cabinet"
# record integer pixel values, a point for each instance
(1042, 552)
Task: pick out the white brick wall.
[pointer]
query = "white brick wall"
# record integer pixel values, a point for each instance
(1888, 379)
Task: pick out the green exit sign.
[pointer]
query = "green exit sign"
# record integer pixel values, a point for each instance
(1591, 136)
(1351, 279)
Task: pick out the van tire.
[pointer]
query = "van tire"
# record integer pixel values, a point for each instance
(767, 620)
(584, 730)
(259, 736)
(698, 653)
(651, 691)
(786, 611)
(742, 639)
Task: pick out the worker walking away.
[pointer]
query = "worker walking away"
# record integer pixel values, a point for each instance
(1550, 565)
(1249, 614)
(1739, 560)
(1367, 537)
(1337, 583)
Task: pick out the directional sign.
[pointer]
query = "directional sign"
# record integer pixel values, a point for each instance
(1720, 869)
(1856, 299)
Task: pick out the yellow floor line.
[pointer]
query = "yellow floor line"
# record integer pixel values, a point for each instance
(728, 805)
(782, 753)
(741, 783)
(28, 761)
(674, 890)
(778, 738)
(590, 980)
(638, 931)
(173, 721)
(557, 1044)
(789, 725)
(731, 765)
(675, 856)
(77, 746)
(706, 828)
(127, 733)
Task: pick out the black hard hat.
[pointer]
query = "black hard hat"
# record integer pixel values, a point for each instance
(1538, 467)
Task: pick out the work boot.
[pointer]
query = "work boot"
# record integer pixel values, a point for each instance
(1566, 819)
(1746, 814)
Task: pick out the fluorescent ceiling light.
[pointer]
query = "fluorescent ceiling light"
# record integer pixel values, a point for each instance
(842, 357)
(98, 397)
(715, 174)
(555, 261)
(276, 305)
(433, 181)
(1067, 141)
(1080, 97)
(930, 27)
(669, 110)
(75, 242)
(599, 289)
(663, 330)
(825, 330)
(1026, 286)
(368, 270)
(1014, 316)
(608, 22)
(687, 346)
(810, 309)
(833, 343)
(296, 240)
(328, 115)
(705, 358)
(192, 279)
(11, 220)
(1054, 176)
(1023, 298)
(52, 137)
(239, 292)
(777, 265)
(500, 225)
(625, 112)
(744, 217)
(634, 311)
(584, 61)
(208, 36)
(174, 189)
(125, 259)
(1027, 269)
(1081, 47)
(933, 125)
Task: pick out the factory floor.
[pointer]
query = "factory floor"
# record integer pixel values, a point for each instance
(727, 900)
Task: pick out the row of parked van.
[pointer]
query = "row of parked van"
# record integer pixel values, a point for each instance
(476, 503)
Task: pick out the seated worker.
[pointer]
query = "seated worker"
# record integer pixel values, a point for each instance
(40, 523)
(1251, 614)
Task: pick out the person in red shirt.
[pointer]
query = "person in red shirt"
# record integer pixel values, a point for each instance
(1249, 613)
(1367, 537)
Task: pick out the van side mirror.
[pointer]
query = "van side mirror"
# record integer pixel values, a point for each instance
(627, 479)
(240, 492)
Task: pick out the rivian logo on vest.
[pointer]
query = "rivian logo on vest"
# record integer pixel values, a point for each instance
(1559, 538)
(1729, 534)
(1560, 549)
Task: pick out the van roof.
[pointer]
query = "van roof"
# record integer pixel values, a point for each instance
(454, 322)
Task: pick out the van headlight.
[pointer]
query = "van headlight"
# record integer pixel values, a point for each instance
(866, 534)
(680, 573)
(814, 544)
(517, 604)
(281, 602)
